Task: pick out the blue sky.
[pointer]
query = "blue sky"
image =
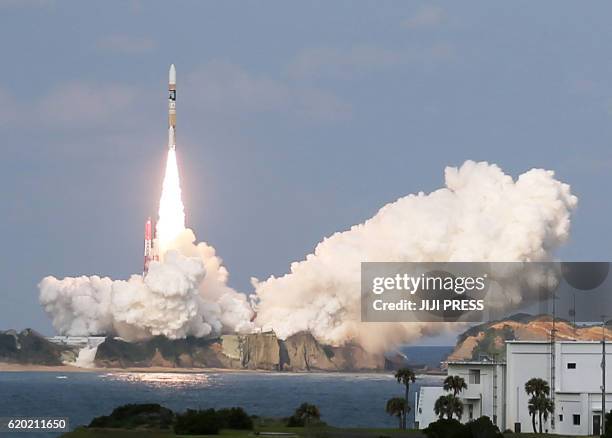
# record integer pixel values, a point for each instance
(295, 120)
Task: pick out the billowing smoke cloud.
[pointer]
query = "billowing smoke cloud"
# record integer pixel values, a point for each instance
(185, 295)
(481, 215)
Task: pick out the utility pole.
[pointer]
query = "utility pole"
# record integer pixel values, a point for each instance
(553, 360)
(603, 375)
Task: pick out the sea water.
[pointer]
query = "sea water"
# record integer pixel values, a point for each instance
(347, 400)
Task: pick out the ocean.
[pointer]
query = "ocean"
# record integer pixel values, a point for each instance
(355, 400)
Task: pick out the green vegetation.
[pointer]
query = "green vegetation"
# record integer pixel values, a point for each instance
(155, 418)
(405, 376)
(608, 425)
(448, 406)
(396, 406)
(540, 403)
(201, 422)
(451, 428)
(136, 415)
(305, 415)
(454, 384)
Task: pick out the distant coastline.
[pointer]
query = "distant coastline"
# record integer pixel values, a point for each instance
(29, 368)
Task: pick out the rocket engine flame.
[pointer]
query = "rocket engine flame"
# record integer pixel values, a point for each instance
(171, 221)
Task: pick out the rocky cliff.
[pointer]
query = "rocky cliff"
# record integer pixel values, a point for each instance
(30, 347)
(489, 339)
(259, 351)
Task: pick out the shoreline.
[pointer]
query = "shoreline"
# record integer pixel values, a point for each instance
(16, 368)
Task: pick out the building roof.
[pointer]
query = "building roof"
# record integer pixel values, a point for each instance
(475, 362)
(558, 342)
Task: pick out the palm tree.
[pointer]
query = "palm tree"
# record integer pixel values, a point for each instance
(537, 386)
(440, 406)
(543, 406)
(397, 406)
(307, 412)
(533, 410)
(448, 405)
(455, 407)
(405, 376)
(454, 384)
(548, 407)
(539, 403)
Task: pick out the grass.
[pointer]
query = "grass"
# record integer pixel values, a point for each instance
(330, 432)
(319, 432)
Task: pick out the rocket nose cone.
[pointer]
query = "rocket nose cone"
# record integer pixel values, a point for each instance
(172, 75)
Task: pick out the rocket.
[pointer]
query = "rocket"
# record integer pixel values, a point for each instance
(150, 245)
(172, 107)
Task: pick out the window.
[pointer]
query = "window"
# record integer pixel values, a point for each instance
(571, 365)
(560, 418)
(576, 419)
(474, 377)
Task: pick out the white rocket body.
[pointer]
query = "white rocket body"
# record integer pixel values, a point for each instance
(172, 107)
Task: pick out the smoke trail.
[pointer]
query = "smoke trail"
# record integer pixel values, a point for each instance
(171, 209)
(481, 215)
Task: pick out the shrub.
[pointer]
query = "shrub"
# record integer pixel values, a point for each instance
(305, 414)
(482, 427)
(128, 416)
(234, 418)
(479, 428)
(202, 422)
(443, 428)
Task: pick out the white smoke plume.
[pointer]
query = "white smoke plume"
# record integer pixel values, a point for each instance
(481, 215)
(185, 293)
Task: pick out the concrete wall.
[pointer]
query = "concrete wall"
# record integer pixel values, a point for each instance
(424, 405)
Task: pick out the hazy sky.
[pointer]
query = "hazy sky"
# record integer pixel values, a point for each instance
(295, 120)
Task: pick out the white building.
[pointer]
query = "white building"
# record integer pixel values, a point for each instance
(497, 390)
(577, 384)
(484, 394)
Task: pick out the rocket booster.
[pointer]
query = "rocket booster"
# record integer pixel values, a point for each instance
(148, 245)
(172, 107)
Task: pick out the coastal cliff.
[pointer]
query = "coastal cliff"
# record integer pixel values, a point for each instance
(488, 339)
(258, 351)
(30, 347)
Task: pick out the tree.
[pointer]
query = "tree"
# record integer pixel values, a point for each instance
(537, 386)
(543, 406)
(608, 425)
(448, 405)
(396, 406)
(455, 407)
(539, 403)
(454, 384)
(440, 407)
(405, 376)
(548, 407)
(531, 407)
(307, 412)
